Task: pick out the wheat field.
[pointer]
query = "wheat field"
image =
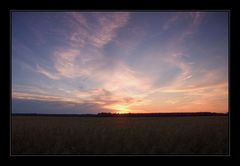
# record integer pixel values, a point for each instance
(36, 135)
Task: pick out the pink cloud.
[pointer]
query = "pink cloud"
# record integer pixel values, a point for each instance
(80, 19)
(196, 20)
(68, 63)
(100, 34)
(108, 26)
(170, 22)
(47, 73)
(75, 61)
(64, 62)
(35, 96)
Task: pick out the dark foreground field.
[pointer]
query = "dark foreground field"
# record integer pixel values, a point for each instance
(119, 135)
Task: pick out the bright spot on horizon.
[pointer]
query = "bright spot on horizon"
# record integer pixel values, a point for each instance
(124, 62)
(121, 109)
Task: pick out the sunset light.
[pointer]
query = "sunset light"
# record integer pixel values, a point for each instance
(120, 109)
(119, 62)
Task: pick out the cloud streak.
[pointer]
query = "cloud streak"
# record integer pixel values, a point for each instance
(102, 32)
(46, 73)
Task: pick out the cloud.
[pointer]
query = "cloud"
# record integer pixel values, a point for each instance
(171, 21)
(64, 62)
(120, 86)
(101, 32)
(35, 96)
(78, 59)
(187, 77)
(94, 94)
(118, 83)
(194, 89)
(207, 79)
(193, 18)
(191, 85)
(118, 77)
(198, 98)
(28, 88)
(108, 27)
(68, 63)
(123, 79)
(54, 107)
(192, 22)
(99, 98)
(47, 73)
(176, 59)
(73, 63)
(167, 68)
(80, 19)
(196, 19)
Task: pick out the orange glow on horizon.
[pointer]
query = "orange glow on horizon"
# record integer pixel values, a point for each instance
(121, 109)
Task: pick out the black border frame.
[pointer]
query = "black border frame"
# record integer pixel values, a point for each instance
(57, 155)
(230, 5)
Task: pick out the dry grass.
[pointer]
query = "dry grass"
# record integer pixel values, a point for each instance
(93, 135)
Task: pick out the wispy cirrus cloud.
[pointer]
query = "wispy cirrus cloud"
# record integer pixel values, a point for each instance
(99, 34)
(171, 22)
(106, 33)
(64, 62)
(211, 98)
(78, 59)
(47, 73)
(114, 88)
(192, 22)
(35, 96)
(196, 20)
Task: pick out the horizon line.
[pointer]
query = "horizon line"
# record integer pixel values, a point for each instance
(109, 114)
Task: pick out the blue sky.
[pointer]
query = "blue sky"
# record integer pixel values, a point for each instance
(90, 62)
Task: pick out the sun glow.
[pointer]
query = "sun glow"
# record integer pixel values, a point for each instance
(121, 109)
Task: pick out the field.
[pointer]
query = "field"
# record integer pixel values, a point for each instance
(119, 135)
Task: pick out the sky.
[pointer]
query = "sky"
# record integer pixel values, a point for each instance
(119, 62)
